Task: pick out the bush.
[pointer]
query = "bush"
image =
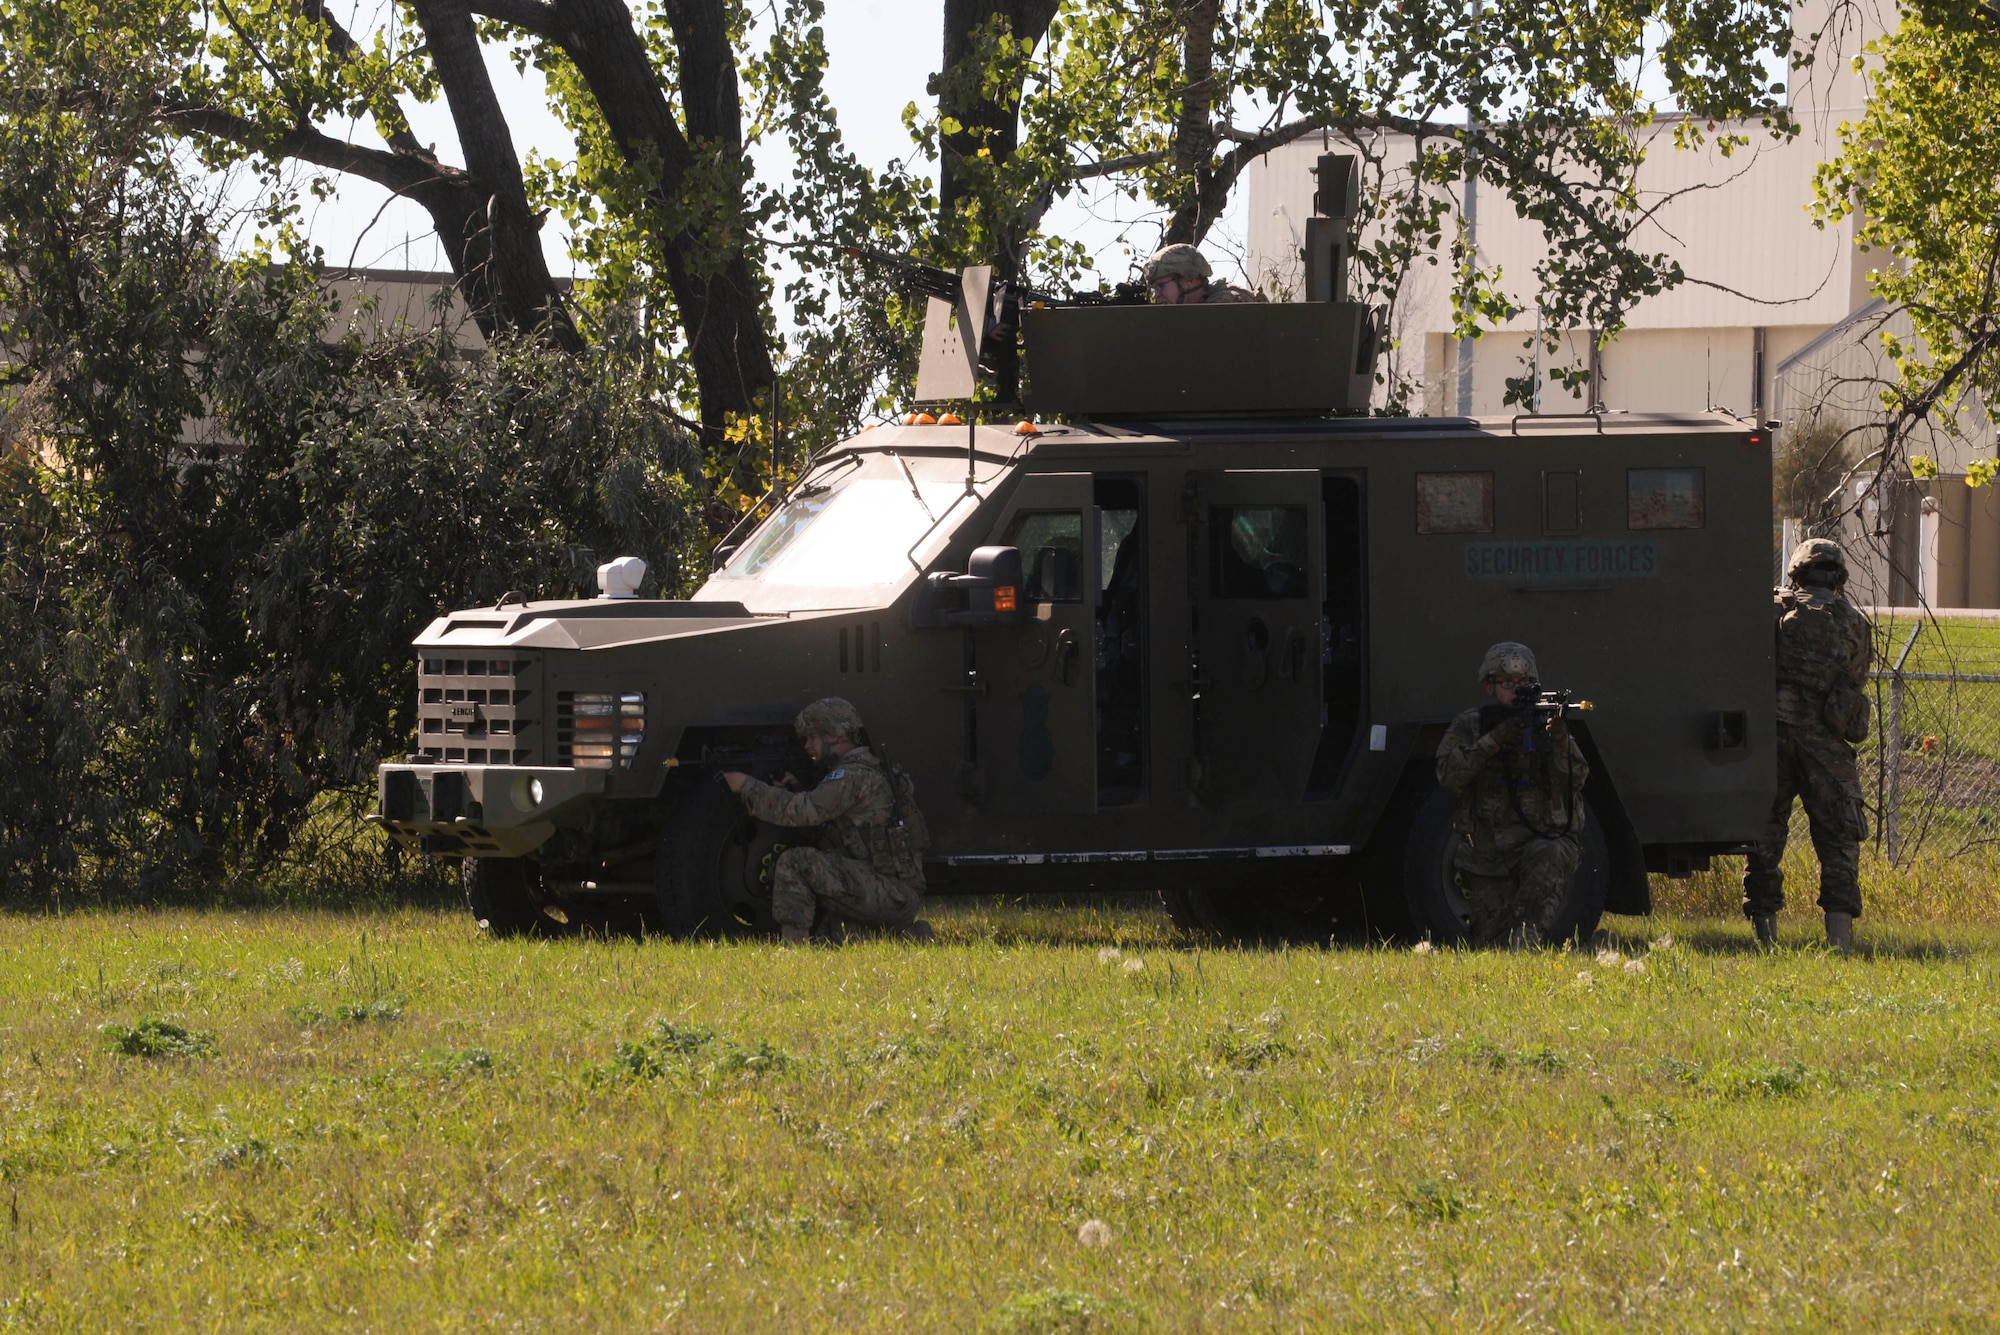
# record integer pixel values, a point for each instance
(222, 519)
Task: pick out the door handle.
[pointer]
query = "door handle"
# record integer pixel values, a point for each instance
(1066, 656)
(1294, 666)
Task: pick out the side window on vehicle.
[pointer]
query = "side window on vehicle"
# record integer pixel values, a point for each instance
(1257, 551)
(1051, 544)
(1666, 498)
(1454, 502)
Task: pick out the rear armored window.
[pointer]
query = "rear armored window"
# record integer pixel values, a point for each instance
(1051, 545)
(1454, 502)
(1257, 551)
(1666, 498)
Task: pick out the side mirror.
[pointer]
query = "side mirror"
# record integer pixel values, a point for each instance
(720, 556)
(990, 586)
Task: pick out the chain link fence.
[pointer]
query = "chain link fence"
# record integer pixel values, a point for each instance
(1931, 769)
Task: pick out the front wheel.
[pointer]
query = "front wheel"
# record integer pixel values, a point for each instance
(1423, 892)
(712, 873)
(505, 897)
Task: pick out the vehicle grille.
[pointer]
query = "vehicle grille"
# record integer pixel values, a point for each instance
(599, 729)
(475, 711)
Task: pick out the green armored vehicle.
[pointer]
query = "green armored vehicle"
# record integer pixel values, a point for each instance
(1187, 642)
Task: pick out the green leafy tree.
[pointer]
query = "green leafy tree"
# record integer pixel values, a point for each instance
(1920, 172)
(1172, 100)
(225, 516)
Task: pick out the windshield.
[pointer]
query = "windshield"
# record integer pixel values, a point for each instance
(858, 530)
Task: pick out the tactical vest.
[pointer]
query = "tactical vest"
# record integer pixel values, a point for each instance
(896, 846)
(1812, 661)
(1812, 643)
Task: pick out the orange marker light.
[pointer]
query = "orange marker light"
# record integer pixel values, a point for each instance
(951, 419)
(1003, 598)
(1027, 429)
(925, 419)
(909, 419)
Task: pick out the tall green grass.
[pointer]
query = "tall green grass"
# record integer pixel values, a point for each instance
(1058, 1119)
(1931, 887)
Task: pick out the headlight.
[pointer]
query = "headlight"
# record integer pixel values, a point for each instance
(528, 792)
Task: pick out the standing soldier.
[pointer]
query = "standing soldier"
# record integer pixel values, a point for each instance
(1823, 650)
(1519, 820)
(1179, 275)
(869, 867)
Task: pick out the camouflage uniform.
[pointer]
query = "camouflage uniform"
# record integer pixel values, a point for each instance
(1228, 294)
(1517, 826)
(1823, 652)
(866, 868)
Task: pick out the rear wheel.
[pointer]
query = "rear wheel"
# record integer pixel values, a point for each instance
(713, 870)
(505, 897)
(1414, 892)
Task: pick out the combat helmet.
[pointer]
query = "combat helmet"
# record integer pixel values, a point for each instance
(1177, 261)
(831, 717)
(1818, 561)
(1508, 659)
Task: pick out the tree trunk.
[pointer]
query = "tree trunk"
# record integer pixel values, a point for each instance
(721, 305)
(1194, 133)
(986, 122)
(493, 238)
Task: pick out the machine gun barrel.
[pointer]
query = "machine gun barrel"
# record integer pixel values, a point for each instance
(929, 280)
(913, 274)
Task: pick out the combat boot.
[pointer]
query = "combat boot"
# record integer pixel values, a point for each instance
(794, 936)
(1766, 925)
(1840, 932)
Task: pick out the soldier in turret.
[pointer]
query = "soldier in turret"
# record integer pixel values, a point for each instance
(1824, 643)
(1179, 275)
(1518, 825)
(869, 866)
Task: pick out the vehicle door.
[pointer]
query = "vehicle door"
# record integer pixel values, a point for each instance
(1036, 706)
(1256, 578)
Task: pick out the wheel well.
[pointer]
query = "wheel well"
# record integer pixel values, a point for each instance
(1629, 890)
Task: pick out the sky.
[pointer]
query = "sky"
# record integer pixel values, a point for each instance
(880, 55)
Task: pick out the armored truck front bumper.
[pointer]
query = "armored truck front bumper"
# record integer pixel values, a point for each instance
(505, 811)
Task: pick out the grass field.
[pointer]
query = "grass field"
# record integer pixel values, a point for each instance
(1057, 1119)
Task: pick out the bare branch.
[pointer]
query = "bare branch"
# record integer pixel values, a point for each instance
(395, 131)
(405, 173)
(1256, 146)
(1112, 166)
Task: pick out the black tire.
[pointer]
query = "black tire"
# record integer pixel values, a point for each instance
(712, 872)
(504, 895)
(1432, 904)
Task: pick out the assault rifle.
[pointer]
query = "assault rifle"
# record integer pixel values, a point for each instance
(1532, 704)
(1537, 708)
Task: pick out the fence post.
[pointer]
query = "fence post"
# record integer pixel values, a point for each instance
(1892, 752)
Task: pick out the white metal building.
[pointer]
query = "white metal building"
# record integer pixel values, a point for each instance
(1764, 280)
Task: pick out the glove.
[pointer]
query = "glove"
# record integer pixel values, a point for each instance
(1504, 735)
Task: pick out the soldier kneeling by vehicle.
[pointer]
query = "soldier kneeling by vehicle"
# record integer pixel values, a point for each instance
(869, 867)
(1518, 776)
